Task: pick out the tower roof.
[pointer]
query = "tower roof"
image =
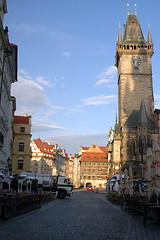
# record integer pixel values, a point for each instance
(133, 32)
(142, 116)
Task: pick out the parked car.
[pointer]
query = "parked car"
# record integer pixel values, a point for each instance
(89, 188)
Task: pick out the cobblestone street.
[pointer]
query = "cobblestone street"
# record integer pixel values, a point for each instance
(86, 215)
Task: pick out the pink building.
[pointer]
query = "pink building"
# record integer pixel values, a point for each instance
(157, 120)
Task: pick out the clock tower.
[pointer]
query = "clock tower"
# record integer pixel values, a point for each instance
(137, 131)
(133, 60)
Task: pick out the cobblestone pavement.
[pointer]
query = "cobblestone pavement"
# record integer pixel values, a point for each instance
(86, 215)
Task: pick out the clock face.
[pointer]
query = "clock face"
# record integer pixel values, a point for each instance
(136, 61)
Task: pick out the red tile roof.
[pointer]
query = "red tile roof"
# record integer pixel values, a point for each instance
(43, 146)
(21, 119)
(104, 149)
(12, 45)
(85, 148)
(89, 156)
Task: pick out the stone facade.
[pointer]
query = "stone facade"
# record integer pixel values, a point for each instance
(137, 131)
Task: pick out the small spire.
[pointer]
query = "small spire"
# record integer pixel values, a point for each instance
(119, 39)
(149, 35)
(128, 8)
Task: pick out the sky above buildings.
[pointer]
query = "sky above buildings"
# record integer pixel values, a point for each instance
(66, 54)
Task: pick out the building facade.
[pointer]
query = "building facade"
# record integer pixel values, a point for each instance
(114, 158)
(60, 161)
(69, 166)
(42, 157)
(93, 166)
(47, 158)
(21, 145)
(76, 171)
(137, 129)
(8, 75)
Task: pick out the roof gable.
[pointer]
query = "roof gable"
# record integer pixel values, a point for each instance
(94, 148)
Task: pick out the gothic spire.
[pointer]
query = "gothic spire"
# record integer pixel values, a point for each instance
(149, 36)
(119, 39)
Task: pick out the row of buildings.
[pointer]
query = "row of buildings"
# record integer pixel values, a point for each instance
(88, 167)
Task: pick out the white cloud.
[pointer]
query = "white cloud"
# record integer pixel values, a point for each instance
(39, 127)
(72, 142)
(43, 81)
(31, 97)
(24, 74)
(99, 100)
(67, 54)
(107, 76)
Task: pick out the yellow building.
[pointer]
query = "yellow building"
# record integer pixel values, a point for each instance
(21, 144)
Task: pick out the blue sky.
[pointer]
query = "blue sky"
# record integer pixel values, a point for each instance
(67, 80)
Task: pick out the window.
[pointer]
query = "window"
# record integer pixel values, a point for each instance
(21, 147)
(22, 129)
(20, 164)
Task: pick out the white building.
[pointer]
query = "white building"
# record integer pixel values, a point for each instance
(42, 158)
(60, 162)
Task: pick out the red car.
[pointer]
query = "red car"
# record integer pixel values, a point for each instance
(89, 188)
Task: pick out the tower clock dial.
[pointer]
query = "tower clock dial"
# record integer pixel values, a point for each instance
(136, 61)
